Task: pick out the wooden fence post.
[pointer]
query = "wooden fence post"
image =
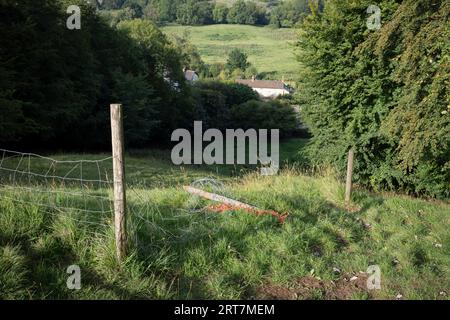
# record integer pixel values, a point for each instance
(119, 180)
(348, 184)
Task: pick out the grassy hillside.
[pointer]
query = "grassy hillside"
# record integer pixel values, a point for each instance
(180, 249)
(268, 49)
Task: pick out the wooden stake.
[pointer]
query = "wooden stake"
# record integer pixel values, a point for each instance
(348, 185)
(119, 180)
(218, 198)
(233, 204)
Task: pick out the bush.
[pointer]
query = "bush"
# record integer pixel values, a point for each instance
(211, 108)
(220, 13)
(214, 100)
(237, 60)
(265, 115)
(225, 105)
(235, 93)
(246, 12)
(195, 13)
(383, 93)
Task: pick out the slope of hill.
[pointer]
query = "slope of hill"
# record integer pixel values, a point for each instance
(180, 249)
(269, 49)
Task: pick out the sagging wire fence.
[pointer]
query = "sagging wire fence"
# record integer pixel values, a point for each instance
(93, 193)
(154, 224)
(77, 189)
(82, 191)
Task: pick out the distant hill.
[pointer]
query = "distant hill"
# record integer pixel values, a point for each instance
(269, 49)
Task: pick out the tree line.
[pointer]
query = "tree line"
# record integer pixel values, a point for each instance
(279, 13)
(382, 92)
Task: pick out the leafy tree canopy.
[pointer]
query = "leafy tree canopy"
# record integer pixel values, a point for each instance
(383, 92)
(237, 60)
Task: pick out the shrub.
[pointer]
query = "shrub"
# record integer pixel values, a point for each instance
(383, 93)
(264, 115)
(235, 93)
(214, 100)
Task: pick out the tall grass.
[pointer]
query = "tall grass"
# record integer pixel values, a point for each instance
(178, 249)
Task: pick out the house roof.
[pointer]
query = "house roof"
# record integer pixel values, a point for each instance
(262, 84)
(190, 74)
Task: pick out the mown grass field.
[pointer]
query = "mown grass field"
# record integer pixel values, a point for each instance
(270, 50)
(178, 249)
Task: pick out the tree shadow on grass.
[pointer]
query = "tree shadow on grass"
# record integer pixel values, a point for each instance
(46, 257)
(202, 231)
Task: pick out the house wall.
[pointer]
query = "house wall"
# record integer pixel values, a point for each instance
(270, 93)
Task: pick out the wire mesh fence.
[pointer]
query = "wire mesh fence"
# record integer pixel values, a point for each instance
(82, 191)
(77, 189)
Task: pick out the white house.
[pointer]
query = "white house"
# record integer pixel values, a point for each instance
(268, 89)
(190, 75)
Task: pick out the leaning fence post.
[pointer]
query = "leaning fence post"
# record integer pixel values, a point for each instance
(119, 180)
(348, 184)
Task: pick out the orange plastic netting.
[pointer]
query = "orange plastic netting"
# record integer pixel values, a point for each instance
(220, 208)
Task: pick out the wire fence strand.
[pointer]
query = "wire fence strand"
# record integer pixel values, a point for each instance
(58, 187)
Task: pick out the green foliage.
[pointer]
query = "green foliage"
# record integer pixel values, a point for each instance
(381, 92)
(215, 100)
(165, 70)
(246, 12)
(220, 13)
(211, 108)
(235, 93)
(215, 69)
(224, 105)
(289, 13)
(139, 103)
(12, 119)
(71, 76)
(265, 115)
(190, 57)
(116, 16)
(237, 60)
(251, 72)
(203, 12)
(419, 123)
(12, 273)
(59, 78)
(195, 13)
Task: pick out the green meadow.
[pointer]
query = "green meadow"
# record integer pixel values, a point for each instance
(269, 49)
(178, 248)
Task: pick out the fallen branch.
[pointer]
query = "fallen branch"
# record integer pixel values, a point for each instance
(230, 204)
